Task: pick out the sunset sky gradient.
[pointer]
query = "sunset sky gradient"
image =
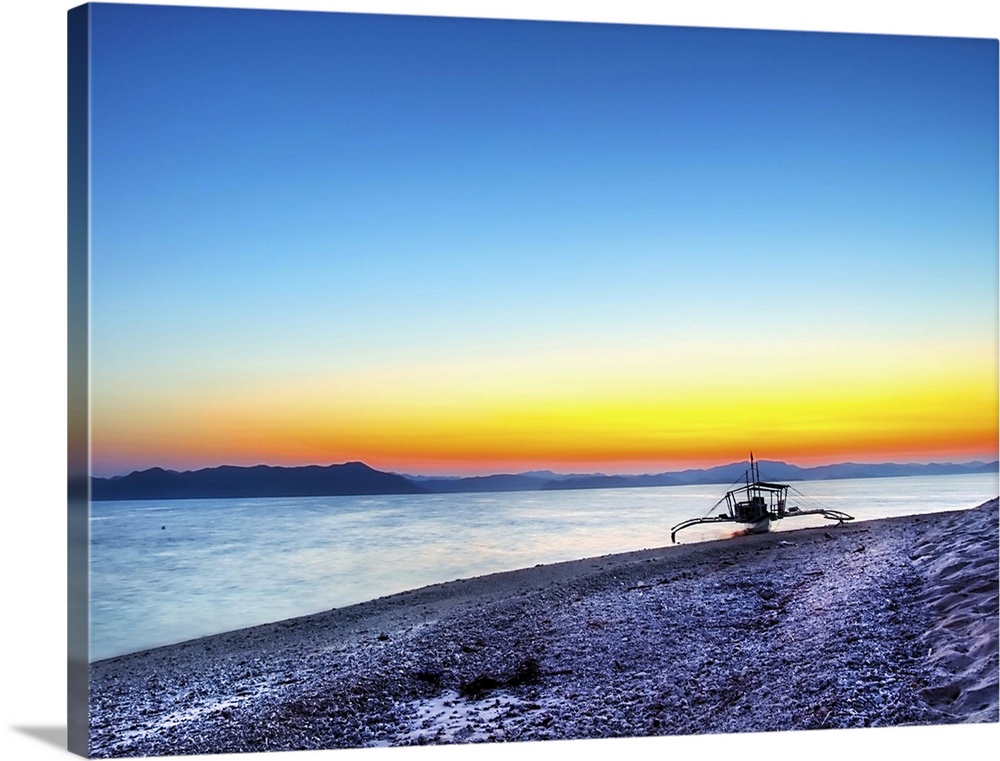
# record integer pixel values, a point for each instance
(466, 246)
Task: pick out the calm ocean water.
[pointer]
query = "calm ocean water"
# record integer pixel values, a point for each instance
(167, 571)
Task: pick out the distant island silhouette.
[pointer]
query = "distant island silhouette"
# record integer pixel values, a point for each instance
(357, 478)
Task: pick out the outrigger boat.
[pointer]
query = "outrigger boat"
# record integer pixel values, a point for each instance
(757, 504)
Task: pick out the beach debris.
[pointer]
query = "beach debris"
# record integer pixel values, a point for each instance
(430, 676)
(479, 686)
(527, 672)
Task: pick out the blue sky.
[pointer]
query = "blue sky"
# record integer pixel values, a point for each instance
(312, 194)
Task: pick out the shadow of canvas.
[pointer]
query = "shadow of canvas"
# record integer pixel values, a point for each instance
(49, 735)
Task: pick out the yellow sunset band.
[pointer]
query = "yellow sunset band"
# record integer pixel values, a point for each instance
(567, 417)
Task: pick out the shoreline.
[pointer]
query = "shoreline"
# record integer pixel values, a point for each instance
(880, 623)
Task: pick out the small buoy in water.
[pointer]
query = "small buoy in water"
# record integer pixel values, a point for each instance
(163, 528)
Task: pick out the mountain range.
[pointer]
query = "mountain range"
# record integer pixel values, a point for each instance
(356, 478)
(228, 481)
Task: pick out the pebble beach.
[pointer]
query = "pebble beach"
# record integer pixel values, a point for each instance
(882, 623)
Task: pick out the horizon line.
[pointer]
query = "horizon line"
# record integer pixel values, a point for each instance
(539, 469)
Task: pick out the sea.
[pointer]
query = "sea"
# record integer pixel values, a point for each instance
(167, 571)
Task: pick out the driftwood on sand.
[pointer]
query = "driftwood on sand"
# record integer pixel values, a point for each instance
(884, 623)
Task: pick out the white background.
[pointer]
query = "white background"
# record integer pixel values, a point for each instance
(33, 364)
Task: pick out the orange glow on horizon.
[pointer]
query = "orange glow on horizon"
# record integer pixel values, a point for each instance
(627, 410)
(646, 433)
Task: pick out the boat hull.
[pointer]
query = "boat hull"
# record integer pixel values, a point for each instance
(761, 526)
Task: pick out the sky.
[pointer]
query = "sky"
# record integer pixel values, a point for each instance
(472, 246)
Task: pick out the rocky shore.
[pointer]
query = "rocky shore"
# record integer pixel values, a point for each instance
(884, 623)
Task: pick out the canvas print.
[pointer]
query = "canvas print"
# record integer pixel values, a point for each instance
(448, 380)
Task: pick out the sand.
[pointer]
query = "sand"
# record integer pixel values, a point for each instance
(884, 623)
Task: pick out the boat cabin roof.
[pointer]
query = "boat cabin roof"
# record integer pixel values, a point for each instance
(760, 485)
